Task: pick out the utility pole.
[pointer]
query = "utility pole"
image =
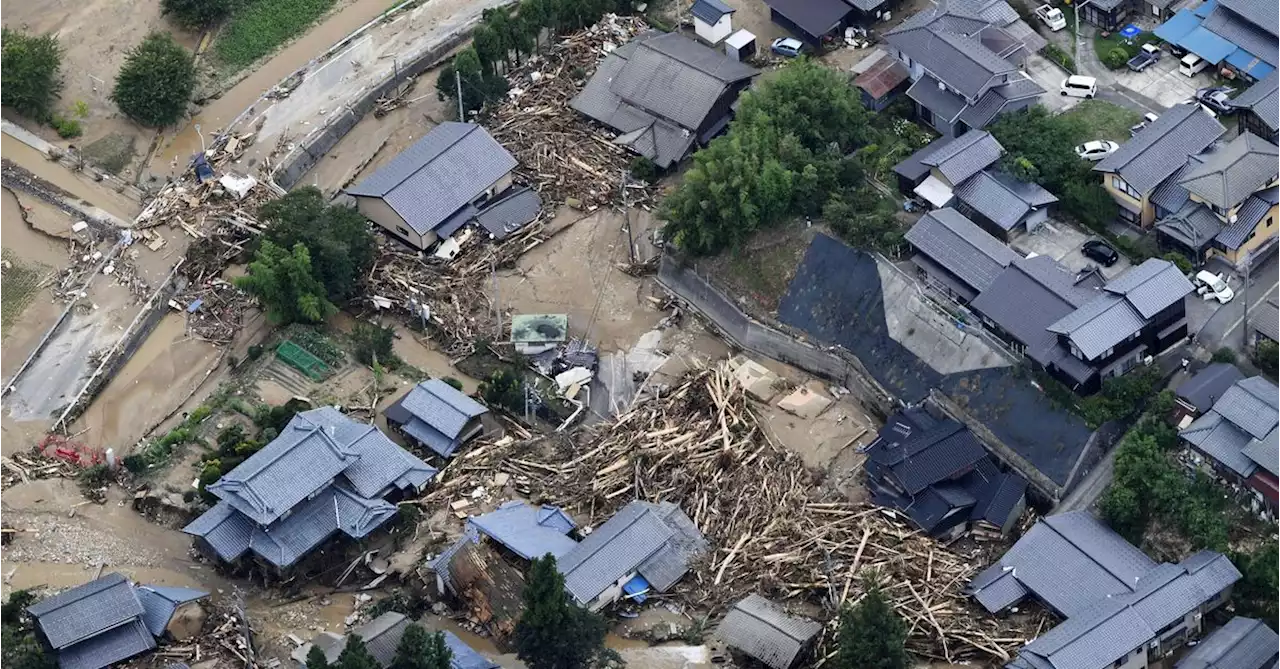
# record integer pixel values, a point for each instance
(457, 77)
(1244, 294)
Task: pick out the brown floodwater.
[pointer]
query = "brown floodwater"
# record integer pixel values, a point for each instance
(90, 191)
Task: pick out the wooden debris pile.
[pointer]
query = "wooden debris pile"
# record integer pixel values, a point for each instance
(563, 154)
(226, 640)
(772, 527)
(215, 310)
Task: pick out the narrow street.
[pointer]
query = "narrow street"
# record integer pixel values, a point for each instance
(1227, 326)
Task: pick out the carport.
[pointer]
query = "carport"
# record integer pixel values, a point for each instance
(810, 20)
(1185, 30)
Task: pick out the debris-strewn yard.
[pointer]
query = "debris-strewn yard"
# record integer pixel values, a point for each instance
(772, 528)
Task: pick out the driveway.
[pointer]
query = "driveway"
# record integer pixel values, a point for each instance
(1163, 82)
(1062, 241)
(1226, 326)
(1047, 73)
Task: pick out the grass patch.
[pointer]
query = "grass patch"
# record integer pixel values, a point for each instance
(762, 270)
(262, 26)
(21, 283)
(1103, 120)
(1102, 46)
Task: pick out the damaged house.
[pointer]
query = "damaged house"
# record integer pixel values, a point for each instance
(1236, 440)
(437, 416)
(664, 94)
(324, 474)
(382, 637)
(108, 620)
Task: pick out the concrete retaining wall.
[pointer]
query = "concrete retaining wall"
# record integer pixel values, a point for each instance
(314, 147)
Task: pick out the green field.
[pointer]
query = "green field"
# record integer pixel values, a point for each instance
(20, 285)
(262, 26)
(1099, 119)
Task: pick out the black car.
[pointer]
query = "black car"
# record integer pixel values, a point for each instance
(1100, 251)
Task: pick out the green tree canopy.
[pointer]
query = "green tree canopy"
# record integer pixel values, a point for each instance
(355, 655)
(552, 633)
(420, 649)
(871, 635)
(30, 67)
(197, 14)
(286, 285)
(1255, 593)
(337, 238)
(316, 659)
(155, 82)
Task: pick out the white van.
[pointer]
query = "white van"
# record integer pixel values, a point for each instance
(1078, 86)
(1192, 65)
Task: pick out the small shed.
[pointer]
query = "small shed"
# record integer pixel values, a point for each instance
(740, 46)
(712, 20)
(882, 81)
(761, 629)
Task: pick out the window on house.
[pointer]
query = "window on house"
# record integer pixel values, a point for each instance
(1126, 215)
(1269, 221)
(402, 231)
(1218, 210)
(1124, 187)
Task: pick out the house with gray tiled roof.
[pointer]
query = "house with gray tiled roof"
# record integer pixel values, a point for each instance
(1258, 108)
(1243, 643)
(644, 547)
(956, 257)
(1237, 439)
(964, 58)
(437, 416)
(107, 620)
(664, 93)
(1264, 322)
(324, 474)
(937, 473)
(763, 630)
(1121, 609)
(433, 188)
(1196, 396)
(382, 637)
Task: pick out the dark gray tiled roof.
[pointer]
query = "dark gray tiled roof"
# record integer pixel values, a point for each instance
(1260, 12)
(1245, 31)
(913, 167)
(1162, 147)
(1263, 98)
(766, 632)
(1194, 225)
(1219, 439)
(1124, 308)
(529, 531)
(103, 650)
(710, 11)
(86, 610)
(1265, 452)
(943, 102)
(445, 170)
(1068, 561)
(1028, 297)
(1247, 218)
(1243, 643)
(507, 215)
(1152, 286)
(985, 110)
(442, 406)
(1170, 195)
(961, 247)
(1008, 490)
(815, 17)
(1264, 317)
(926, 457)
(1251, 404)
(1001, 198)
(961, 61)
(1231, 174)
(969, 154)
(1209, 385)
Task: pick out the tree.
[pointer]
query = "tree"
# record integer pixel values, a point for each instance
(22, 650)
(373, 342)
(316, 659)
(355, 655)
(1115, 58)
(871, 635)
(1224, 354)
(504, 388)
(420, 649)
(30, 67)
(284, 282)
(552, 633)
(196, 14)
(1266, 355)
(1255, 593)
(812, 102)
(336, 237)
(155, 82)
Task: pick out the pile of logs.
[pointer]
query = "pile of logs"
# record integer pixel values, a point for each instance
(772, 527)
(563, 154)
(221, 313)
(226, 640)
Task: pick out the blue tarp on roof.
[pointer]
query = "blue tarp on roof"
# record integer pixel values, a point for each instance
(1181, 25)
(1249, 64)
(1207, 44)
(635, 588)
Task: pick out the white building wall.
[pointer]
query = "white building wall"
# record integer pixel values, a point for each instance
(713, 34)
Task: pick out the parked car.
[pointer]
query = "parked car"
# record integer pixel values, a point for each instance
(1212, 286)
(1100, 252)
(1052, 17)
(1097, 149)
(1217, 98)
(1147, 119)
(1147, 57)
(1078, 86)
(1191, 65)
(788, 47)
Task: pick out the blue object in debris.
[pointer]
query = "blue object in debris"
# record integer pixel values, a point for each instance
(191, 308)
(1130, 31)
(204, 171)
(636, 589)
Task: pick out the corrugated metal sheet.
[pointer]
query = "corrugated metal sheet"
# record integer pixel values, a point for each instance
(106, 649)
(764, 631)
(815, 17)
(86, 610)
(961, 247)
(1162, 147)
(512, 212)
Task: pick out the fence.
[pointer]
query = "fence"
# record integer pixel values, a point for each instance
(302, 360)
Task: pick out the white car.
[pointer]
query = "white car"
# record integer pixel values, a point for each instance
(1078, 86)
(1212, 286)
(1097, 150)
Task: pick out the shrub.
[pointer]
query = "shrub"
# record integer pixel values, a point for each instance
(456, 384)
(30, 66)
(504, 388)
(1266, 355)
(373, 342)
(67, 127)
(155, 82)
(135, 463)
(196, 14)
(1224, 354)
(255, 351)
(1115, 58)
(1058, 55)
(643, 169)
(95, 476)
(1183, 263)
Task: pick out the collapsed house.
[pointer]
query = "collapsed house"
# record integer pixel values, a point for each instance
(664, 93)
(1119, 605)
(763, 630)
(323, 474)
(108, 620)
(437, 416)
(939, 475)
(381, 637)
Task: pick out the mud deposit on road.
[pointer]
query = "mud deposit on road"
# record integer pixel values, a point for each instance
(92, 192)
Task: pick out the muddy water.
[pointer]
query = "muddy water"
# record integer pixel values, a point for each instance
(158, 376)
(58, 575)
(218, 113)
(85, 189)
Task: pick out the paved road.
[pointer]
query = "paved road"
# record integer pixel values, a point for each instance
(1227, 326)
(1091, 488)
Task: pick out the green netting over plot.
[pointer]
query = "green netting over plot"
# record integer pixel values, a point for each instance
(302, 360)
